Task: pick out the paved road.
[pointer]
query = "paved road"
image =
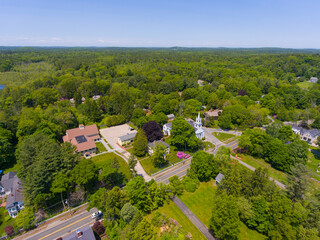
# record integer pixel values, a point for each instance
(193, 218)
(64, 228)
(180, 170)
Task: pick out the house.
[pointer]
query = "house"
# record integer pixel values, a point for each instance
(197, 125)
(152, 145)
(126, 139)
(219, 178)
(310, 136)
(84, 138)
(96, 97)
(10, 186)
(212, 115)
(313, 79)
(170, 117)
(200, 82)
(167, 128)
(84, 233)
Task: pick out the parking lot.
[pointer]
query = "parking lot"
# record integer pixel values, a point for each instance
(112, 134)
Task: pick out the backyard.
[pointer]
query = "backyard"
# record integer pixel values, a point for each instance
(172, 211)
(224, 137)
(101, 147)
(5, 220)
(100, 159)
(200, 203)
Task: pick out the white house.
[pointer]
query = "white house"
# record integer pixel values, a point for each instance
(310, 136)
(10, 186)
(167, 128)
(313, 79)
(126, 139)
(152, 145)
(170, 117)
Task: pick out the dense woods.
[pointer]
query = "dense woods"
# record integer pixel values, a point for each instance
(143, 86)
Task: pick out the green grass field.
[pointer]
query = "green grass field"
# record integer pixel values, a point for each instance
(305, 85)
(223, 137)
(208, 145)
(275, 174)
(124, 168)
(101, 147)
(200, 203)
(172, 211)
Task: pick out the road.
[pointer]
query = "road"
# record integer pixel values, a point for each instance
(60, 229)
(180, 170)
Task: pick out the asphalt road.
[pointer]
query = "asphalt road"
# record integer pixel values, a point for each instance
(65, 228)
(180, 170)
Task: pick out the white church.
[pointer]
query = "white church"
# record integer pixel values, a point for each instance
(197, 125)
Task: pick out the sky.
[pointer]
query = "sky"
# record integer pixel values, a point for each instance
(161, 23)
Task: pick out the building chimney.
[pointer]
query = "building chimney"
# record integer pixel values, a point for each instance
(81, 126)
(79, 233)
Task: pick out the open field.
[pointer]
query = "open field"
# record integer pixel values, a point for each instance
(223, 137)
(172, 211)
(200, 203)
(305, 85)
(124, 168)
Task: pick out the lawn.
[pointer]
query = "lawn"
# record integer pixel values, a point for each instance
(133, 126)
(305, 85)
(172, 211)
(223, 137)
(208, 145)
(124, 168)
(5, 220)
(101, 147)
(256, 162)
(200, 203)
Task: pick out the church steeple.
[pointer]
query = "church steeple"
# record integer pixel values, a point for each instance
(198, 123)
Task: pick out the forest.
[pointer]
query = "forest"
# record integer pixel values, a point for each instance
(249, 85)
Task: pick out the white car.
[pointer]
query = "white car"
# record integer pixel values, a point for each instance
(96, 214)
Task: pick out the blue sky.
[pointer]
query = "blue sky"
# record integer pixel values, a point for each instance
(162, 23)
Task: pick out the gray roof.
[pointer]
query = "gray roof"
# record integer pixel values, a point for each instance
(312, 132)
(7, 180)
(219, 177)
(16, 193)
(170, 115)
(154, 143)
(128, 137)
(87, 234)
(168, 125)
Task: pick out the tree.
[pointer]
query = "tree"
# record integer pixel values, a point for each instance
(231, 183)
(9, 230)
(276, 153)
(140, 143)
(98, 228)
(158, 157)
(204, 166)
(176, 185)
(132, 162)
(60, 184)
(84, 173)
(225, 222)
(6, 147)
(160, 118)
(316, 123)
(127, 212)
(114, 202)
(152, 131)
(110, 173)
(144, 230)
(298, 152)
(25, 218)
(136, 190)
(297, 182)
(182, 134)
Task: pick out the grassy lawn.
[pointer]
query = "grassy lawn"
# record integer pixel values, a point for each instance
(133, 126)
(107, 143)
(305, 85)
(200, 203)
(124, 168)
(5, 221)
(208, 145)
(100, 147)
(223, 136)
(172, 211)
(275, 174)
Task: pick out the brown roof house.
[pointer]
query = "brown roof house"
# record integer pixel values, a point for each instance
(10, 186)
(84, 138)
(212, 114)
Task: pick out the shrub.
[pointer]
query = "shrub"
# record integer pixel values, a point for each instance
(98, 228)
(9, 230)
(190, 185)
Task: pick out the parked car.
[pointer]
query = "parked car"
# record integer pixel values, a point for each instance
(97, 215)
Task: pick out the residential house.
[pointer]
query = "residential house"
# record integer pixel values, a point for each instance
(84, 233)
(126, 139)
(167, 128)
(200, 82)
(170, 117)
(313, 79)
(219, 178)
(152, 145)
(310, 136)
(10, 186)
(84, 138)
(212, 115)
(96, 97)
